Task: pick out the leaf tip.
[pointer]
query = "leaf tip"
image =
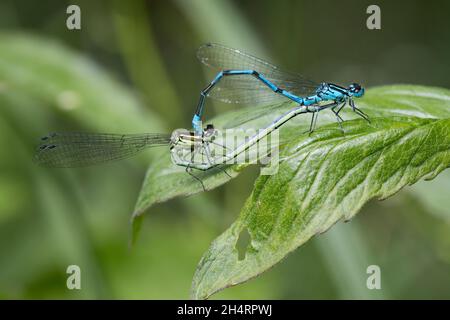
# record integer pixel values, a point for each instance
(135, 228)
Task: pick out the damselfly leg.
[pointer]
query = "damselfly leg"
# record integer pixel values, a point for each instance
(315, 109)
(209, 156)
(338, 117)
(189, 172)
(358, 111)
(198, 156)
(312, 125)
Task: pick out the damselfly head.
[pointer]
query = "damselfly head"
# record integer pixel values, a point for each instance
(210, 133)
(209, 130)
(356, 90)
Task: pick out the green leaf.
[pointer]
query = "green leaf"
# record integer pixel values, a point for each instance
(407, 100)
(164, 181)
(322, 179)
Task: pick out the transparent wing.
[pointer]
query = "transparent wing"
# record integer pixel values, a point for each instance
(246, 88)
(72, 149)
(257, 116)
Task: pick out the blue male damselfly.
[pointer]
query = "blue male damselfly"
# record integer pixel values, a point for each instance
(243, 78)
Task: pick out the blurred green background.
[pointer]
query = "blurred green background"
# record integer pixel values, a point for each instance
(132, 68)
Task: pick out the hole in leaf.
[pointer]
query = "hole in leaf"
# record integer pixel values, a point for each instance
(243, 243)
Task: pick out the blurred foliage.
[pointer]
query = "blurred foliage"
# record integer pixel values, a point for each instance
(129, 72)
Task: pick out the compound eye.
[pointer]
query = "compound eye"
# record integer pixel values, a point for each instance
(356, 87)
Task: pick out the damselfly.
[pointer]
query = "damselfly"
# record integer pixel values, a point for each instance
(188, 149)
(71, 149)
(243, 78)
